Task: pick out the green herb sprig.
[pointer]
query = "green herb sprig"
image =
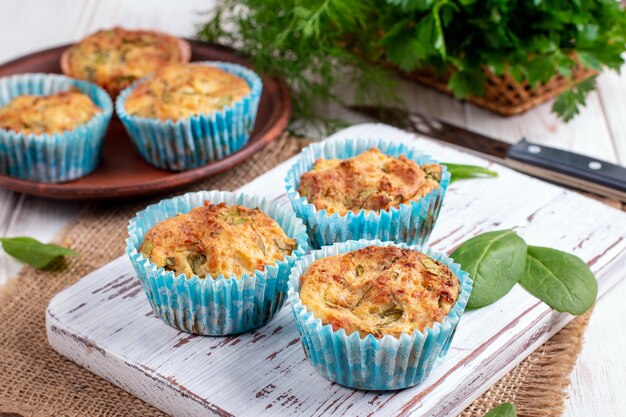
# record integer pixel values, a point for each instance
(500, 259)
(317, 44)
(33, 252)
(465, 172)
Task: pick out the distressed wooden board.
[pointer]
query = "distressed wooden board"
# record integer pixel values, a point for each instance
(105, 323)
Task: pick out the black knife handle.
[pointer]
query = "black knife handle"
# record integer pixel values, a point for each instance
(568, 163)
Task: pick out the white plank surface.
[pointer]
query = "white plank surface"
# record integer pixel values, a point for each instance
(104, 322)
(612, 92)
(587, 134)
(30, 25)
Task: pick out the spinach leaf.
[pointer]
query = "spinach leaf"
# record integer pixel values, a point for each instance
(33, 252)
(496, 261)
(462, 172)
(503, 410)
(559, 279)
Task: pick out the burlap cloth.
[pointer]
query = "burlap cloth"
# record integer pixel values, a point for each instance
(36, 381)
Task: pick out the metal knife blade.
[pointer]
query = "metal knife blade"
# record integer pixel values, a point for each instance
(555, 165)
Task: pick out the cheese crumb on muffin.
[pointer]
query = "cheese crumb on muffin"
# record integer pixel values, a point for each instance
(379, 290)
(217, 239)
(181, 91)
(370, 181)
(115, 58)
(49, 114)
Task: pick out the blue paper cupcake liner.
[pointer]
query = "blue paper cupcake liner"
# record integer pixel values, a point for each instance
(410, 222)
(57, 157)
(221, 305)
(198, 140)
(369, 363)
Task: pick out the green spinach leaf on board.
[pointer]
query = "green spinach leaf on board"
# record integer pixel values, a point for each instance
(559, 279)
(503, 410)
(496, 261)
(33, 252)
(464, 172)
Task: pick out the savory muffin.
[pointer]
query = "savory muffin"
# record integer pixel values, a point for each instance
(116, 57)
(379, 290)
(54, 113)
(217, 239)
(181, 91)
(370, 181)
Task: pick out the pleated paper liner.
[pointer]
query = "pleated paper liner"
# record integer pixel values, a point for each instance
(195, 141)
(370, 363)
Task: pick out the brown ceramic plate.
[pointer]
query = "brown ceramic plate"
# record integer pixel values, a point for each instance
(122, 172)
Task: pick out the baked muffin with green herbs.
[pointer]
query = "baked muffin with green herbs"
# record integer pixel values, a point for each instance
(379, 290)
(185, 116)
(52, 127)
(356, 187)
(181, 91)
(217, 239)
(386, 312)
(117, 57)
(371, 180)
(53, 113)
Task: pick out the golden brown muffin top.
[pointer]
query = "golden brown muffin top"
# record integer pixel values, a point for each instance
(379, 290)
(217, 239)
(115, 58)
(54, 113)
(370, 181)
(181, 91)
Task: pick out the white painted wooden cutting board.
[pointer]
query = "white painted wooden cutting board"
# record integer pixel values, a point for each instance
(104, 322)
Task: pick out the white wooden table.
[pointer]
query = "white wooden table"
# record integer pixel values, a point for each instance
(599, 378)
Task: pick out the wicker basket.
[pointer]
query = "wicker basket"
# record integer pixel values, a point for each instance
(503, 94)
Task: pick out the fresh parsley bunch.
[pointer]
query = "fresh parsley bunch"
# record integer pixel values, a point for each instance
(315, 44)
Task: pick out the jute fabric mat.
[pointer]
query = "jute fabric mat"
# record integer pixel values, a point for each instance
(36, 381)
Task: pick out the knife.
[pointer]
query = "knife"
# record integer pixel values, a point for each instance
(555, 165)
